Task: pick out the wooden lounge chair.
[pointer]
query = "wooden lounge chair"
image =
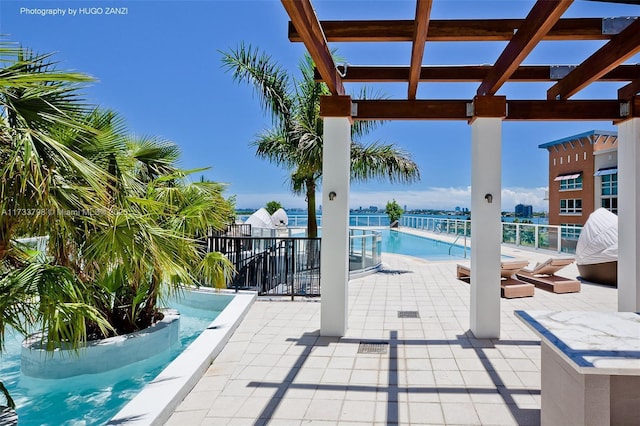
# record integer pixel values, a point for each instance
(510, 286)
(544, 276)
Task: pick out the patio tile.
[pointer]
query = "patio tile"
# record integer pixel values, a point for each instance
(434, 372)
(291, 409)
(460, 414)
(324, 409)
(357, 411)
(425, 413)
(495, 414)
(189, 417)
(225, 406)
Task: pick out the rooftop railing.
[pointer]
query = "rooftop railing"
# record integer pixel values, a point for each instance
(536, 236)
(285, 262)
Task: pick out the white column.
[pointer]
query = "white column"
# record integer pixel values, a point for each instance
(486, 141)
(334, 257)
(629, 215)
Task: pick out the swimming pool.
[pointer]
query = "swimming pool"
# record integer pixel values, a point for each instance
(422, 247)
(93, 398)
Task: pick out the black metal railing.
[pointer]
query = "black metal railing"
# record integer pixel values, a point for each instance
(272, 266)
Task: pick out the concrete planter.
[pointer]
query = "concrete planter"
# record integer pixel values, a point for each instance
(100, 355)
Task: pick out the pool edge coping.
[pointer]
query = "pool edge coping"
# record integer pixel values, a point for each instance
(157, 400)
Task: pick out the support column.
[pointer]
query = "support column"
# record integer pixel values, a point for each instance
(336, 172)
(486, 232)
(629, 211)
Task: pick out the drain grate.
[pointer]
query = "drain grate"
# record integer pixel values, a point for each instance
(373, 347)
(408, 314)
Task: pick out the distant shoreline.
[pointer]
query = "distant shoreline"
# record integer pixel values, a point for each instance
(302, 214)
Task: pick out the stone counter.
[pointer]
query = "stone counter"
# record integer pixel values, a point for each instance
(590, 366)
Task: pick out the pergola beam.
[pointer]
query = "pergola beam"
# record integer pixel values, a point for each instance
(304, 19)
(460, 109)
(630, 90)
(470, 73)
(541, 18)
(621, 47)
(452, 30)
(423, 10)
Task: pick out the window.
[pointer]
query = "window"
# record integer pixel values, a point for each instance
(610, 204)
(610, 192)
(571, 231)
(571, 206)
(610, 184)
(571, 184)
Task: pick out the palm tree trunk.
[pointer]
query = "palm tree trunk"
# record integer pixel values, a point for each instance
(6, 231)
(312, 223)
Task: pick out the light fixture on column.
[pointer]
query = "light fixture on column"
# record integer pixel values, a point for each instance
(489, 198)
(332, 195)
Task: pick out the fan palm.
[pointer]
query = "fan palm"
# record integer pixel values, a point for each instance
(120, 217)
(38, 176)
(295, 140)
(36, 102)
(142, 243)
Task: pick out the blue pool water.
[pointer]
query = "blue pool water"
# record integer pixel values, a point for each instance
(422, 247)
(92, 399)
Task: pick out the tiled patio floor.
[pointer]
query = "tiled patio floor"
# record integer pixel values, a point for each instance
(277, 370)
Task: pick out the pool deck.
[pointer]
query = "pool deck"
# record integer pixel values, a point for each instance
(277, 370)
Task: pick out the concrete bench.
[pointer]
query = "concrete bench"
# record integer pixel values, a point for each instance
(590, 366)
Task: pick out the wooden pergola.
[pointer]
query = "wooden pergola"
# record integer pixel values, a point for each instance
(484, 112)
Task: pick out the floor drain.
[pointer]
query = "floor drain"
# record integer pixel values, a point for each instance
(408, 314)
(373, 347)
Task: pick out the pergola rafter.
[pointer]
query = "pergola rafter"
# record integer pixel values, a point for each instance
(423, 10)
(475, 73)
(629, 90)
(306, 22)
(453, 30)
(543, 15)
(617, 50)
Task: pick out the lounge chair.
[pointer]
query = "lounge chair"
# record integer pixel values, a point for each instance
(544, 276)
(510, 286)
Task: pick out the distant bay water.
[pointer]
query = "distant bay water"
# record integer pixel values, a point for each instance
(299, 218)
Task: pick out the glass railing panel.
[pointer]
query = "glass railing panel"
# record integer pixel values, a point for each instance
(509, 233)
(527, 235)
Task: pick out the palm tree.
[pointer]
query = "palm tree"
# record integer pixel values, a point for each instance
(295, 140)
(143, 243)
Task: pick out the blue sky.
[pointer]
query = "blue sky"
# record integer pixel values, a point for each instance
(159, 66)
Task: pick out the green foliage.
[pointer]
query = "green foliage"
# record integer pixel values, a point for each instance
(394, 211)
(123, 221)
(273, 206)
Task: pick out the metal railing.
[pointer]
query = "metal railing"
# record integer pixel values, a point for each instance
(536, 236)
(290, 266)
(272, 266)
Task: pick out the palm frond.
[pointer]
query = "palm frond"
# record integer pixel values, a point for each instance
(276, 146)
(382, 162)
(270, 81)
(361, 128)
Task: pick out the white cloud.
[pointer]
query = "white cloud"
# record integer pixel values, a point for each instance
(446, 198)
